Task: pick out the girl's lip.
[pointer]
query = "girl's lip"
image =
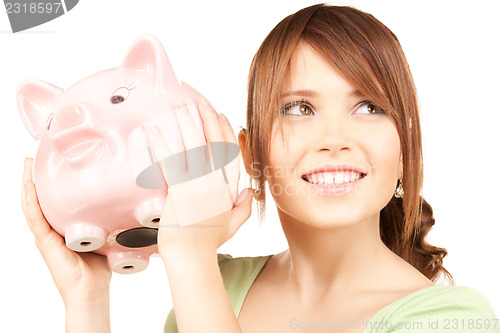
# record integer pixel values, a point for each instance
(336, 168)
(333, 189)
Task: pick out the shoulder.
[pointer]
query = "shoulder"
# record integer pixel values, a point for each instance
(438, 309)
(239, 273)
(240, 266)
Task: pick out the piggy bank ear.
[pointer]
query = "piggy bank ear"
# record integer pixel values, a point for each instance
(148, 55)
(35, 100)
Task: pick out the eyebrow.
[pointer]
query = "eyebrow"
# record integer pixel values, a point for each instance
(305, 93)
(312, 93)
(356, 93)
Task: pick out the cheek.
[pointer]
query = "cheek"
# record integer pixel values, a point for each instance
(283, 173)
(384, 151)
(286, 147)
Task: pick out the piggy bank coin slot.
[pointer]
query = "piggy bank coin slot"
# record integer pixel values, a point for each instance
(137, 237)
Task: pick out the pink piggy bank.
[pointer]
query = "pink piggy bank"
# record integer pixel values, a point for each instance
(97, 182)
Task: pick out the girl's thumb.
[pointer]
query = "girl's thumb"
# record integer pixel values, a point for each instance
(241, 211)
(248, 192)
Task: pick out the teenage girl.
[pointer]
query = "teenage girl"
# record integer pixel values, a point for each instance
(333, 129)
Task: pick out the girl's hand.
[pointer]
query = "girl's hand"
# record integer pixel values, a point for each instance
(81, 278)
(200, 212)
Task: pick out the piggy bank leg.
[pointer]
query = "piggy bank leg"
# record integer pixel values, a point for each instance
(84, 237)
(128, 262)
(149, 212)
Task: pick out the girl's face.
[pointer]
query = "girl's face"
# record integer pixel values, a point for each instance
(329, 125)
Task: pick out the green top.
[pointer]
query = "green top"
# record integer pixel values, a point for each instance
(433, 309)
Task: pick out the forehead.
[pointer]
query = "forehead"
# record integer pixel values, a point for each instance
(309, 72)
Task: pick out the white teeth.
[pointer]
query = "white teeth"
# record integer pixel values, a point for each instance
(314, 179)
(329, 178)
(354, 176)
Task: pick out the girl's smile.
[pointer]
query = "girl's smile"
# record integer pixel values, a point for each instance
(334, 180)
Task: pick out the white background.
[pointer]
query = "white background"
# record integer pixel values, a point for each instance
(452, 48)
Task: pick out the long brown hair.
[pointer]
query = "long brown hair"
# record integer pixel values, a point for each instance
(370, 57)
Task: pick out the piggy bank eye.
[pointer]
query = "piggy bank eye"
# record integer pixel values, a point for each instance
(120, 95)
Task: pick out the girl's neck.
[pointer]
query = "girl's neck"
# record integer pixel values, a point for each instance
(339, 260)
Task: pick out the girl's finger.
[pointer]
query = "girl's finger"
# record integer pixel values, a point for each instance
(191, 137)
(163, 156)
(211, 125)
(241, 211)
(34, 215)
(214, 135)
(231, 147)
(227, 130)
(28, 170)
(197, 156)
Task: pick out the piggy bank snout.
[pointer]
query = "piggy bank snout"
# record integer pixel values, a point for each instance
(76, 131)
(72, 118)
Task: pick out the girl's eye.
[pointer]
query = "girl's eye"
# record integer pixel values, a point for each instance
(299, 108)
(367, 108)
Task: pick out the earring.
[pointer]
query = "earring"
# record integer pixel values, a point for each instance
(399, 190)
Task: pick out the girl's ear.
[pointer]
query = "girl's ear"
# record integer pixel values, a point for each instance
(247, 160)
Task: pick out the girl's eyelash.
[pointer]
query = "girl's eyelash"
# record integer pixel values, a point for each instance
(288, 106)
(360, 104)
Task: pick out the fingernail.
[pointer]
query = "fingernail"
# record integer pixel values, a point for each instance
(223, 118)
(157, 130)
(206, 106)
(203, 104)
(243, 196)
(181, 107)
(151, 131)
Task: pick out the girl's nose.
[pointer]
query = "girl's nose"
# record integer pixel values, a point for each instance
(332, 135)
